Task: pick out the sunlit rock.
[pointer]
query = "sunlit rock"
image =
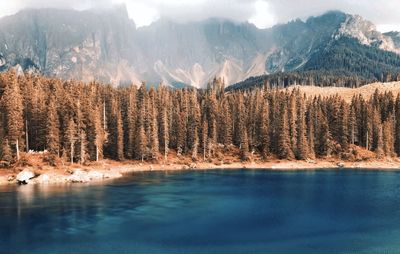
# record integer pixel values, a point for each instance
(79, 176)
(24, 177)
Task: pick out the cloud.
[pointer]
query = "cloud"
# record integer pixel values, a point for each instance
(263, 13)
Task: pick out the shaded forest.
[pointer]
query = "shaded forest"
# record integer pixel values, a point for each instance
(344, 63)
(80, 122)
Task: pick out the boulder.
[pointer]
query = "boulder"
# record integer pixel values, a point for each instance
(24, 176)
(43, 178)
(79, 176)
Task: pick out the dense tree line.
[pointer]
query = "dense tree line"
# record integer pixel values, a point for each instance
(87, 122)
(344, 62)
(312, 78)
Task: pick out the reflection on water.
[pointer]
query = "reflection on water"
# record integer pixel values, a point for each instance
(232, 211)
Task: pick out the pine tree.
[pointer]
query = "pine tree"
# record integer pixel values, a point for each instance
(284, 149)
(164, 132)
(302, 144)
(154, 142)
(53, 127)
(388, 140)
(204, 138)
(226, 124)
(71, 137)
(195, 147)
(244, 147)
(292, 118)
(98, 136)
(264, 129)
(324, 135)
(352, 124)
(193, 123)
(379, 141)
(310, 130)
(141, 146)
(6, 154)
(130, 119)
(12, 104)
(343, 126)
(397, 126)
(120, 137)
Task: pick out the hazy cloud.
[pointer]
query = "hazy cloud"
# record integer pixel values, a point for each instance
(263, 13)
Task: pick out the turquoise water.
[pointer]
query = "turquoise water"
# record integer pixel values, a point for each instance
(229, 211)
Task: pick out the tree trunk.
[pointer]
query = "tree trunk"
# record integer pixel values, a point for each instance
(72, 153)
(104, 115)
(17, 146)
(165, 151)
(27, 136)
(97, 153)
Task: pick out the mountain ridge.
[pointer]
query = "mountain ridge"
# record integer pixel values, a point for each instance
(106, 45)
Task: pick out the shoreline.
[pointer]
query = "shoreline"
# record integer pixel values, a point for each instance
(109, 170)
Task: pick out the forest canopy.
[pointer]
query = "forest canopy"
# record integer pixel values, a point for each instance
(81, 122)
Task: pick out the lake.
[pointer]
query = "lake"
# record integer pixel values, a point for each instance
(215, 211)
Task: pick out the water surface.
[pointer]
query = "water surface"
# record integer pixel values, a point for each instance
(224, 211)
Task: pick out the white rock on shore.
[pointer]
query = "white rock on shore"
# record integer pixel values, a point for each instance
(24, 176)
(79, 176)
(43, 178)
(95, 175)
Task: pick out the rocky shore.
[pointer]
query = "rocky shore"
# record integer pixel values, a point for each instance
(30, 175)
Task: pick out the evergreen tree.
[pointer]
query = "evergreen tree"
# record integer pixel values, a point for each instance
(264, 129)
(388, 140)
(343, 121)
(310, 130)
(71, 137)
(397, 126)
(154, 142)
(120, 137)
(53, 127)
(164, 132)
(302, 144)
(6, 154)
(244, 147)
(12, 104)
(324, 136)
(292, 118)
(352, 124)
(204, 138)
(284, 149)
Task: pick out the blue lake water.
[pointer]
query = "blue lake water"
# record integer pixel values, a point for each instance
(224, 211)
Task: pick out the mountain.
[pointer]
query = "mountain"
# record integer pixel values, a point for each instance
(106, 45)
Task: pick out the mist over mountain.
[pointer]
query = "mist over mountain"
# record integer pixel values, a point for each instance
(106, 45)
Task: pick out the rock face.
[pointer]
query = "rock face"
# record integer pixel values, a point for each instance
(24, 177)
(106, 45)
(365, 32)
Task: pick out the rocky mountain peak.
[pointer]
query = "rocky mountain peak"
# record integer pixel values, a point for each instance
(366, 33)
(105, 44)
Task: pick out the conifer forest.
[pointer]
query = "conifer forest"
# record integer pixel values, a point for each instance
(80, 122)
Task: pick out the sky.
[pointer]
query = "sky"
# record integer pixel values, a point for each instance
(262, 13)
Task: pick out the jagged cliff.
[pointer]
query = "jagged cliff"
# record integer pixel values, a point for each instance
(106, 45)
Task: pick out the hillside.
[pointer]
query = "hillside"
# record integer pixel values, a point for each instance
(347, 93)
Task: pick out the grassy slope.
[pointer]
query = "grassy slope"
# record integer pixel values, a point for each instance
(347, 93)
